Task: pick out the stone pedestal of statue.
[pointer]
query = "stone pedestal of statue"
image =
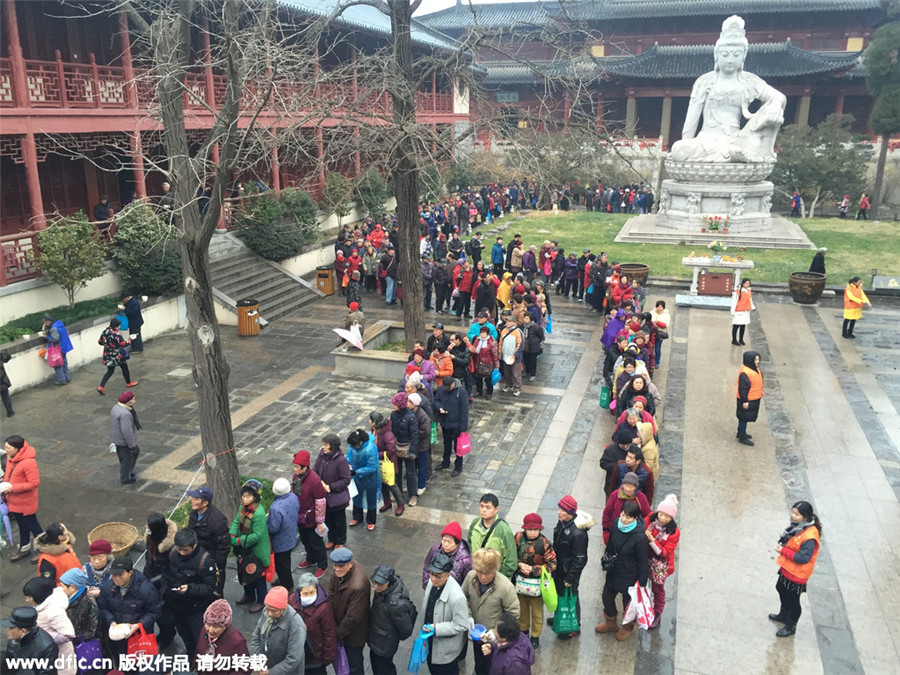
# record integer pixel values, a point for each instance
(697, 190)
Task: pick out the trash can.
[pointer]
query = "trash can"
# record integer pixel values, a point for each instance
(325, 279)
(248, 317)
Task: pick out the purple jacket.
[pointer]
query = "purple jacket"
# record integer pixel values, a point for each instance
(512, 658)
(334, 470)
(571, 269)
(529, 262)
(462, 562)
(611, 331)
(313, 499)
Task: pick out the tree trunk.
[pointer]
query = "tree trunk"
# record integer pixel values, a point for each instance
(210, 369)
(815, 201)
(404, 174)
(879, 176)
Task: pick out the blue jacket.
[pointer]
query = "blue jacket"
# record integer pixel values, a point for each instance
(475, 330)
(364, 461)
(498, 255)
(282, 522)
(456, 403)
(64, 341)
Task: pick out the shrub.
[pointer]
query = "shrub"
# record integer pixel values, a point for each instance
(277, 226)
(86, 309)
(372, 191)
(70, 254)
(146, 251)
(337, 195)
(458, 175)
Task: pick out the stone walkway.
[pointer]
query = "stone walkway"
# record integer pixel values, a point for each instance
(828, 432)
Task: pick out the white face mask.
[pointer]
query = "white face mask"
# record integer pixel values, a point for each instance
(306, 601)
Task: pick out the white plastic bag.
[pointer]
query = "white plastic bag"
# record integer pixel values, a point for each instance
(640, 608)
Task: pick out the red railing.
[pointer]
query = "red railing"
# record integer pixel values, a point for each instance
(6, 85)
(18, 264)
(58, 84)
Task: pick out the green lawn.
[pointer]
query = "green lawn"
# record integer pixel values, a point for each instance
(854, 248)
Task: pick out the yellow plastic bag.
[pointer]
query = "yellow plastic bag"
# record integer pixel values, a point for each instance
(387, 471)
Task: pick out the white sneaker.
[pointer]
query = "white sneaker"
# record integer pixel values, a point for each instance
(421, 491)
(517, 393)
(506, 389)
(413, 501)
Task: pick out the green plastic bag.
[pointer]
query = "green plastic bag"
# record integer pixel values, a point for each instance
(433, 433)
(565, 619)
(604, 397)
(548, 590)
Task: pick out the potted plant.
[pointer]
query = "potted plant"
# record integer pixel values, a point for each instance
(725, 224)
(716, 247)
(713, 223)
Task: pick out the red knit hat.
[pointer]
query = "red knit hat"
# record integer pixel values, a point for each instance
(354, 306)
(568, 504)
(100, 547)
(277, 598)
(301, 458)
(532, 522)
(454, 530)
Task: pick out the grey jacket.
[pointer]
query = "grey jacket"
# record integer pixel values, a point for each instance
(451, 622)
(121, 427)
(284, 644)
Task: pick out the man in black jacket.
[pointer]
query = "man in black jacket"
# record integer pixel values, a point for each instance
(132, 309)
(616, 452)
(190, 587)
(211, 527)
(571, 545)
(127, 597)
(27, 641)
(582, 262)
(391, 619)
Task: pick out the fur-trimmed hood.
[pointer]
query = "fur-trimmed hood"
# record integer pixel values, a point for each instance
(169, 540)
(584, 521)
(54, 549)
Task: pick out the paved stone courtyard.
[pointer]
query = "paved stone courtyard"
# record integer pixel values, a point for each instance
(829, 432)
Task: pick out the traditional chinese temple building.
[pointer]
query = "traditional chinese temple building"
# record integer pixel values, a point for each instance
(647, 54)
(73, 108)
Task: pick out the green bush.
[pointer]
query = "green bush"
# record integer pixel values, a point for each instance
(458, 175)
(277, 226)
(146, 252)
(70, 253)
(30, 324)
(372, 191)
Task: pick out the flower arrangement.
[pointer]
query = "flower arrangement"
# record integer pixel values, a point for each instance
(716, 222)
(716, 246)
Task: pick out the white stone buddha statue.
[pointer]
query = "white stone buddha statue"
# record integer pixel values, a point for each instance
(723, 98)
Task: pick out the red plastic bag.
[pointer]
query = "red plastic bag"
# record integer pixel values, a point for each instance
(142, 643)
(463, 445)
(270, 570)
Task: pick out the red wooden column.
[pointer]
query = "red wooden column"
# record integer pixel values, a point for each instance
(137, 156)
(127, 67)
(601, 111)
(276, 170)
(91, 186)
(35, 200)
(434, 93)
(839, 105)
(17, 61)
(567, 111)
(357, 162)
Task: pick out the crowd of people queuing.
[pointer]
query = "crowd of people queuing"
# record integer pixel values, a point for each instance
(485, 575)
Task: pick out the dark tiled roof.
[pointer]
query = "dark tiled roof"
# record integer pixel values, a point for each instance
(368, 18)
(630, 9)
(498, 74)
(766, 60)
(499, 15)
(536, 13)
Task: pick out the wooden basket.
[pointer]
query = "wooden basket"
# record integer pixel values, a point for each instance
(121, 536)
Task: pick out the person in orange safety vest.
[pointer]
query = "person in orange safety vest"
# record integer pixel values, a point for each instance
(749, 394)
(798, 548)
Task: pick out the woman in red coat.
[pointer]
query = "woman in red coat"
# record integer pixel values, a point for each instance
(311, 603)
(20, 491)
(621, 291)
(219, 639)
(663, 534)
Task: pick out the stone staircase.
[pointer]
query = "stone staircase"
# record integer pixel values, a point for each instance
(238, 273)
